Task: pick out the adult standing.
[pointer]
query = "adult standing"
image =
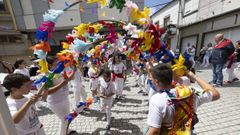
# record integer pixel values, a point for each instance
(220, 55)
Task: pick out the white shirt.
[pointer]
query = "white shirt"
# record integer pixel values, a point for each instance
(77, 81)
(106, 88)
(118, 68)
(162, 114)
(23, 71)
(61, 94)
(30, 122)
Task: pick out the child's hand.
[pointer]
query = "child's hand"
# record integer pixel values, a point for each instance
(33, 99)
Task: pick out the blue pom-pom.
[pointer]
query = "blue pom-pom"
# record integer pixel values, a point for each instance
(42, 35)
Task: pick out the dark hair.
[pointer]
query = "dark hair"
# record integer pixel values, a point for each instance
(18, 62)
(118, 56)
(15, 81)
(163, 73)
(107, 73)
(238, 42)
(51, 60)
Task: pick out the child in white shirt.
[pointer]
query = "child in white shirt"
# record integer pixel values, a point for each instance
(78, 87)
(93, 74)
(57, 100)
(21, 106)
(106, 92)
(118, 75)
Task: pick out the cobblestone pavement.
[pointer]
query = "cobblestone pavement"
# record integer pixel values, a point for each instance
(129, 115)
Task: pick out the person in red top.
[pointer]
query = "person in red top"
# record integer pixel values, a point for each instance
(219, 56)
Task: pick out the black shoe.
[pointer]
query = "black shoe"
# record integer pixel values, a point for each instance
(108, 127)
(141, 91)
(136, 85)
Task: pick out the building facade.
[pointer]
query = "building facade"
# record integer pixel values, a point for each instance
(201, 20)
(198, 21)
(168, 15)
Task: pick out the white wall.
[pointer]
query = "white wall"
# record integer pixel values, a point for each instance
(209, 8)
(233, 34)
(171, 10)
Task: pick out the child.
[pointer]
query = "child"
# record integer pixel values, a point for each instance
(79, 90)
(93, 74)
(20, 67)
(107, 91)
(57, 100)
(21, 107)
(118, 74)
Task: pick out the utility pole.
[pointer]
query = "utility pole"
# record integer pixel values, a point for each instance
(178, 23)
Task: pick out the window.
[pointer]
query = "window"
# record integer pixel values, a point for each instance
(15, 39)
(3, 6)
(3, 39)
(190, 6)
(11, 39)
(166, 21)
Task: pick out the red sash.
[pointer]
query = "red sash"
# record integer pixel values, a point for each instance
(224, 43)
(116, 75)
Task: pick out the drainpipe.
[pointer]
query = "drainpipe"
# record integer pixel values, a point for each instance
(178, 21)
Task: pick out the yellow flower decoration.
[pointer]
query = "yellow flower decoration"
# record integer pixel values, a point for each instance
(101, 2)
(179, 68)
(65, 45)
(81, 29)
(148, 40)
(96, 27)
(136, 15)
(44, 66)
(183, 91)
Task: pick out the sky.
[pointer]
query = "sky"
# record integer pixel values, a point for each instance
(149, 3)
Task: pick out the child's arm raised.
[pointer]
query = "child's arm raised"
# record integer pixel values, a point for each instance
(61, 84)
(19, 115)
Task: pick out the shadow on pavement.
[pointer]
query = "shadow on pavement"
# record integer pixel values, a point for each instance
(44, 111)
(120, 125)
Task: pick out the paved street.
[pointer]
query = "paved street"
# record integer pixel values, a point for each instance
(129, 115)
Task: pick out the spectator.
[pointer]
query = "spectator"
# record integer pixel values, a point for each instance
(208, 52)
(20, 67)
(34, 68)
(6, 67)
(233, 62)
(219, 56)
(192, 51)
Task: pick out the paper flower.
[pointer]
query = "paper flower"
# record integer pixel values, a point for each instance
(130, 6)
(81, 29)
(179, 68)
(182, 92)
(101, 2)
(65, 45)
(79, 46)
(47, 26)
(40, 54)
(147, 41)
(52, 15)
(42, 46)
(44, 66)
(119, 4)
(41, 35)
(136, 15)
